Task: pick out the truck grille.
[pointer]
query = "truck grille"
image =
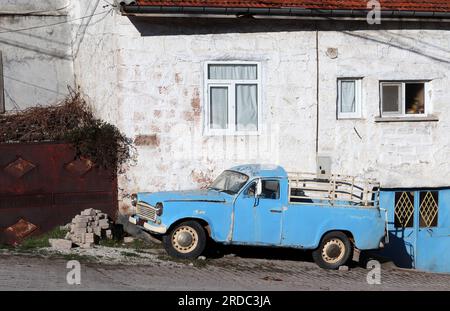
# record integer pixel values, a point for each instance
(146, 211)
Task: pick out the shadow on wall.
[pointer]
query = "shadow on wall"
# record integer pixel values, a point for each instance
(164, 26)
(400, 251)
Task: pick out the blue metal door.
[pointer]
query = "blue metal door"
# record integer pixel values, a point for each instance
(258, 220)
(419, 228)
(433, 231)
(402, 237)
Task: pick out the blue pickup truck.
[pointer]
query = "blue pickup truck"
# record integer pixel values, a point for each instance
(263, 205)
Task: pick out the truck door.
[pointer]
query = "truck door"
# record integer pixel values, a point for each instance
(258, 220)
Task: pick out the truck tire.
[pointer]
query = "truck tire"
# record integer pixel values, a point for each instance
(334, 250)
(186, 240)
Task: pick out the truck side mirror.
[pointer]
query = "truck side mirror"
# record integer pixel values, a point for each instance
(258, 191)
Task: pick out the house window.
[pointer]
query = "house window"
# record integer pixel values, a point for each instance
(403, 98)
(349, 98)
(233, 98)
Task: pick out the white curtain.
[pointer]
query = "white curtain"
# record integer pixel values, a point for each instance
(348, 103)
(232, 72)
(218, 107)
(391, 98)
(246, 107)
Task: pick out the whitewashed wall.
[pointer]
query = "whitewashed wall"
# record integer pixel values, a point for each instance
(37, 61)
(403, 154)
(96, 56)
(149, 80)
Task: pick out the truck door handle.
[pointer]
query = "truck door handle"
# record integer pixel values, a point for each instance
(275, 211)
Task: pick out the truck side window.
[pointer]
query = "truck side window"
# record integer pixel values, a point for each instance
(270, 189)
(251, 190)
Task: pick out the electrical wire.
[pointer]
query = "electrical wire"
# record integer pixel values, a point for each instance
(36, 12)
(55, 24)
(109, 3)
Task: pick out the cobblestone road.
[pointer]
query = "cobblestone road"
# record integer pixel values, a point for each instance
(226, 273)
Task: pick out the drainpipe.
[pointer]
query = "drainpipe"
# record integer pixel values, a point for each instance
(317, 90)
(2, 92)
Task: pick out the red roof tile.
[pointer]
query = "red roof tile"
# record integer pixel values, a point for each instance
(401, 5)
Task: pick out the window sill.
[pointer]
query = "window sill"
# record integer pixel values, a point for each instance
(218, 134)
(429, 118)
(351, 118)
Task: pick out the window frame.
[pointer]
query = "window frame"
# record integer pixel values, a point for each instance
(358, 98)
(402, 93)
(230, 114)
(278, 191)
(231, 84)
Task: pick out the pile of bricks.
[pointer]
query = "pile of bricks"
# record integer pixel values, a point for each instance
(89, 227)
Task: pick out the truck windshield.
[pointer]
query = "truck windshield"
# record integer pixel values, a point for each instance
(230, 182)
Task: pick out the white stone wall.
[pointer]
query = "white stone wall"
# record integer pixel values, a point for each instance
(152, 87)
(97, 56)
(37, 63)
(407, 154)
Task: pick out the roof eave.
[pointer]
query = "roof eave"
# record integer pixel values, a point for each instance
(274, 12)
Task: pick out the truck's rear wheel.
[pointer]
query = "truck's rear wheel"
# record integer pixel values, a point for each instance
(186, 240)
(334, 250)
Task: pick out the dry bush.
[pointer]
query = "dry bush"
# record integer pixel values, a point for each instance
(46, 123)
(71, 121)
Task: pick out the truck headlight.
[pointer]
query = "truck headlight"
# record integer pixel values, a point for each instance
(134, 199)
(159, 209)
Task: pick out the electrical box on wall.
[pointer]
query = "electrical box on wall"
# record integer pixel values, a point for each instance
(323, 166)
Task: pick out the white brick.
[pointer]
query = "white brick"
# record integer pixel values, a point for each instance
(60, 244)
(128, 239)
(86, 245)
(88, 212)
(89, 238)
(80, 225)
(108, 234)
(78, 231)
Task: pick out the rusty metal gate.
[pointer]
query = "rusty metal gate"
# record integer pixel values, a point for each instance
(43, 184)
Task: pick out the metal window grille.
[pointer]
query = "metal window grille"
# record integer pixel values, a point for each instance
(404, 209)
(429, 208)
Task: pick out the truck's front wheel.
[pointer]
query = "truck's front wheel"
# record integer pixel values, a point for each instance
(334, 250)
(186, 240)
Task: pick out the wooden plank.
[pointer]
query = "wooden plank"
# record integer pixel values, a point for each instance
(334, 191)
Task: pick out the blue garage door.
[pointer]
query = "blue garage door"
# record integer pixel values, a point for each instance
(419, 228)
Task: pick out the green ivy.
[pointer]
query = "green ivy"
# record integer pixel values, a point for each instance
(102, 143)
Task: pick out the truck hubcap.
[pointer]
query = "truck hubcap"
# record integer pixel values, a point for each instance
(185, 239)
(333, 251)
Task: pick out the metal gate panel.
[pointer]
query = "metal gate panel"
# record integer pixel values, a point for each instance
(46, 185)
(419, 228)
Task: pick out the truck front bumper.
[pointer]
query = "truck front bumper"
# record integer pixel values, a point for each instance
(159, 229)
